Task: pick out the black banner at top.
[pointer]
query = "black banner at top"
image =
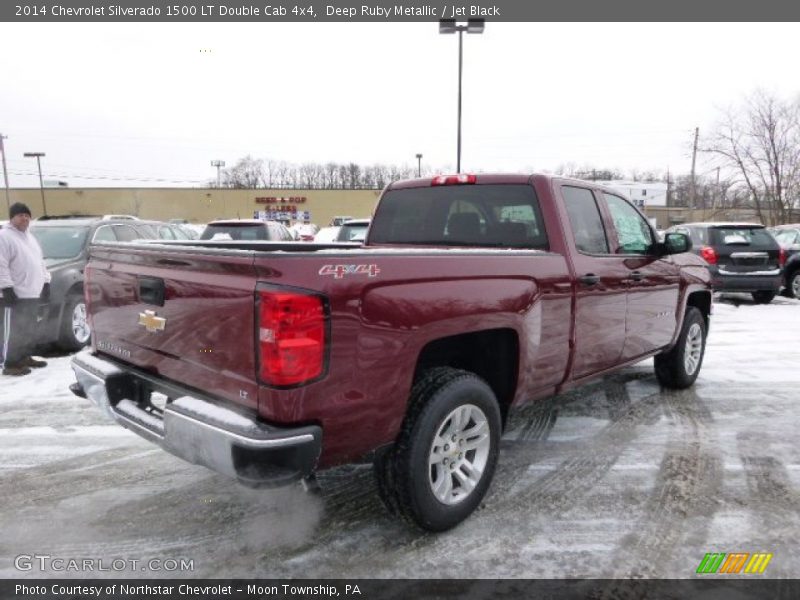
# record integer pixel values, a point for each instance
(395, 10)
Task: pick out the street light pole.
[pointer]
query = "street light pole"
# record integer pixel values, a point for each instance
(449, 26)
(38, 156)
(218, 164)
(5, 169)
(419, 165)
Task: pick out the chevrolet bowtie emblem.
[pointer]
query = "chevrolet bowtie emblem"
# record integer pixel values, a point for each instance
(151, 321)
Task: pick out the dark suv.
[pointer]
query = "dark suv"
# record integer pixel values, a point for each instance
(65, 244)
(788, 236)
(741, 257)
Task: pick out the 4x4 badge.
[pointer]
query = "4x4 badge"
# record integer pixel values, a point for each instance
(151, 321)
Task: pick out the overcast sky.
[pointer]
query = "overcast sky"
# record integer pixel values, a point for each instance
(151, 104)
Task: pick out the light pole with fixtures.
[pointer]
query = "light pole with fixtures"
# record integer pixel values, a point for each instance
(419, 165)
(218, 164)
(38, 156)
(5, 169)
(449, 26)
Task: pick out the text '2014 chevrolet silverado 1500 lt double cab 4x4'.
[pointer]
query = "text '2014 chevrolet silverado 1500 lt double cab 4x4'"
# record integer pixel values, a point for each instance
(472, 294)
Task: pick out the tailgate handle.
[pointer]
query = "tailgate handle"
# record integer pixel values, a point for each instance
(151, 291)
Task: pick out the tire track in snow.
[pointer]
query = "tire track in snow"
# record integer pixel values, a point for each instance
(682, 500)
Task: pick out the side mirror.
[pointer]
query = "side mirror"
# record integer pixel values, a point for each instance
(676, 243)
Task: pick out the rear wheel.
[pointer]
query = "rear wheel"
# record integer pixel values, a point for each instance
(445, 456)
(763, 297)
(75, 331)
(678, 368)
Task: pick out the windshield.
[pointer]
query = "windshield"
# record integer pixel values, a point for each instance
(461, 215)
(61, 242)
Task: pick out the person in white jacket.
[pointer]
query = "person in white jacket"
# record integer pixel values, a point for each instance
(25, 282)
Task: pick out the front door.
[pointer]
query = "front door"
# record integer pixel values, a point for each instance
(601, 286)
(653, 282)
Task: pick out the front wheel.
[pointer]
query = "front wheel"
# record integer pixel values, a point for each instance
(75, 332)
(763, 297)
(444, 459)
(678, 368)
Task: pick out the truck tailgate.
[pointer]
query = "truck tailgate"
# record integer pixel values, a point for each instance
(183, 315)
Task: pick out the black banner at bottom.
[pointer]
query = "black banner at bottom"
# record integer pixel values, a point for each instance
(410, 589)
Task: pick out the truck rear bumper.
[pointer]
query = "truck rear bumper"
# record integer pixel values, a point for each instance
(199, 431)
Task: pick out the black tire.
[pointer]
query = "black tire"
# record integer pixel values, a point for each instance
(763, 297)
(406, 478)
(67, 339)
(672, 369)
(793, 284)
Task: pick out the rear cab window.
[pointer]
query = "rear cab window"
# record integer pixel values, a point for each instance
(492, 216)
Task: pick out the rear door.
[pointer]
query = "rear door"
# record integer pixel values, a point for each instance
(743, 249)
(601, 286)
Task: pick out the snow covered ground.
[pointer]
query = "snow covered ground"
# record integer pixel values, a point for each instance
(617, 479)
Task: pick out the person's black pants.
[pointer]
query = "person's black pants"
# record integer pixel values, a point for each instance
(20, 328)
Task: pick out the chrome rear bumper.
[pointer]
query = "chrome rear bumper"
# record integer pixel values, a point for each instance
(200, 431)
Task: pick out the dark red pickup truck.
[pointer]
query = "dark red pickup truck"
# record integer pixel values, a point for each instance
(472, 294)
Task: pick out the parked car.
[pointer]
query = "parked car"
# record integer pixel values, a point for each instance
(470, 295)
(354, 230)
(338, 220)
(788, 237)
(65, 245)
(247, 229)
(304, 232)
(741, 257)
(326, 235)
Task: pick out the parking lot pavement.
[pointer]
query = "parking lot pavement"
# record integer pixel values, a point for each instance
(616, 479)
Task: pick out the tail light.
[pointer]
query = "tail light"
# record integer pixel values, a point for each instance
(291, 337)
(459, 179)
(709, 255)
(781, 256)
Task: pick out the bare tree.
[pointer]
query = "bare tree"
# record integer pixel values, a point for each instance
(248, 172)
(760, 143)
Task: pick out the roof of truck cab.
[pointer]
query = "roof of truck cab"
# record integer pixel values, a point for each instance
(481, 178)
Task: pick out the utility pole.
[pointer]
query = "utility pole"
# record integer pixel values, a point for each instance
(5, 169)
(38, 156)
(693, 191)
(669, 190)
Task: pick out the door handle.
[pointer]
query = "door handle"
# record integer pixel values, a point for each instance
(637, 276)
(589, 279)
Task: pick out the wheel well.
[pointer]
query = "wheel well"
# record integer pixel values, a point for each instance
(701, 301)
(75, 290)
(492, 354)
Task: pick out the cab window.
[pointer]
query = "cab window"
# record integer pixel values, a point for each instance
(634, 235)
(585, 220)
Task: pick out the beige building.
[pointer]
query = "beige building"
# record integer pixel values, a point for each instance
(200, 205)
